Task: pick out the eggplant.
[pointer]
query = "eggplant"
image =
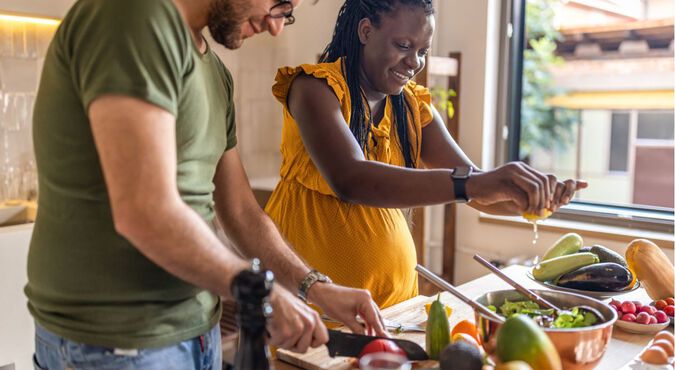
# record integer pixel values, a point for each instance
(599, 277)
(607, 255)
(584, 250)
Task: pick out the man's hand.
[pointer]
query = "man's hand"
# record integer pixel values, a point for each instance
(345, 304)
(294, 325)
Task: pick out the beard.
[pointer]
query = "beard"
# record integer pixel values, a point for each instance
(226, 18)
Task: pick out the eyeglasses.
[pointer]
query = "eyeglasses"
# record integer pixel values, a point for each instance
(283, 9)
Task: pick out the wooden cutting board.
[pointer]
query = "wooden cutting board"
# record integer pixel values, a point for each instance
(408, 312)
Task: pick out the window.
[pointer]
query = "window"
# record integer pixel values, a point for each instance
(590, 96)
(618, 152)
(655, 125)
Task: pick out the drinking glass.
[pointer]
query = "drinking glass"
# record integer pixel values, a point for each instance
(12, 129)
(384, 361)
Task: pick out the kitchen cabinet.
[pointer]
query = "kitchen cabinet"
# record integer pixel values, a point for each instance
(16, 323)
(49, 8)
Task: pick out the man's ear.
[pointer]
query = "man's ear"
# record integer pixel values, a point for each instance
(365, 29)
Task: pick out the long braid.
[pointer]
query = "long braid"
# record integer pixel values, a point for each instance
(347, 45)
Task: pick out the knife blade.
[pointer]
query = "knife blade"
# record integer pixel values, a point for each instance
(350, 345)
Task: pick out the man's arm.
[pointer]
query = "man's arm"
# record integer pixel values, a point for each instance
(255, 234)
(136, 145)
(247, 225)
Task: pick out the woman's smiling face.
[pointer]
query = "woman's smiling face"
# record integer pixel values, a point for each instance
(394, 50)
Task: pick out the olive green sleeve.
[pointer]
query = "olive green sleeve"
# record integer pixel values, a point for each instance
(138, 50)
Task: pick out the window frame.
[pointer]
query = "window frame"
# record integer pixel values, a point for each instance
(512, 52)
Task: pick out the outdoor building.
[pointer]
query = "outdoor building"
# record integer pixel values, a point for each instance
(615, 80)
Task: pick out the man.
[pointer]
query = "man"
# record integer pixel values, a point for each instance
(134, 131)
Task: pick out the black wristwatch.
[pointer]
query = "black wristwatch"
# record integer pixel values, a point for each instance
(460, 175)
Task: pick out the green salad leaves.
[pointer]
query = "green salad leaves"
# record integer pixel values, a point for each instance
(574, 318)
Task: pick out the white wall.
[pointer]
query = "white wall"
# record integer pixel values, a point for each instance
(254, 67)
(657, 8)
(51, 8)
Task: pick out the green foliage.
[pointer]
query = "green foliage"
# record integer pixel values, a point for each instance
(542, 126)
(441, 98)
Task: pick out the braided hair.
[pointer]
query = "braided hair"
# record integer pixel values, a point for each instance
(347, 45)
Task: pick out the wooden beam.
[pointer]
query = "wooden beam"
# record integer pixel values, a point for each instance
(450, 214)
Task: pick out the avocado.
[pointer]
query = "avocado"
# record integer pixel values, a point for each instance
(520, 339)
(460, 356)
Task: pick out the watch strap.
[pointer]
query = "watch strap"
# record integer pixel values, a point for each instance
(310, 279)
(460, 190)
(459, 184)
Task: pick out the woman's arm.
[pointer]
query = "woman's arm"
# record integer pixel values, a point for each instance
(341, 162)
(440, 150)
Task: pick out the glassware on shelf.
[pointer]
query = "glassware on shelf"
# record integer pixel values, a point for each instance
(29, 182)
(15, 150)
(6, 39)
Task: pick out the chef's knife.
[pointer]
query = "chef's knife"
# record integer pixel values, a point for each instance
(351, 345)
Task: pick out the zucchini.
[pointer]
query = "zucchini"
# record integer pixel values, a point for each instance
(553, 268)
(600, 277)
(607, 255)
(567, 244)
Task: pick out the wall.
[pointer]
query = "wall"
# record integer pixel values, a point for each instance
(254, 67)
(655, 9)
(52, 8)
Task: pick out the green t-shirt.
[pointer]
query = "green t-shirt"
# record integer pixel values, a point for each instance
(86, 282)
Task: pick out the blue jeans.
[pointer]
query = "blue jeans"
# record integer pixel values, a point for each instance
(53, 352)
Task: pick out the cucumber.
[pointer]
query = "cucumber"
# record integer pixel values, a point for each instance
(607, 255)
(555, 267)
(567, 244)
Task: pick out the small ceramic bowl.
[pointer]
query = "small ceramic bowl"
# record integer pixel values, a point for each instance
(635, 328)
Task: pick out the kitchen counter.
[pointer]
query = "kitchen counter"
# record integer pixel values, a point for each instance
(622, 348)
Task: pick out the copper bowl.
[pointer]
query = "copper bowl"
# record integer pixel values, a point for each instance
(579, 348)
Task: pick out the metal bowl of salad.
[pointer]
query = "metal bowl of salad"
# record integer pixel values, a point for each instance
(579, 336)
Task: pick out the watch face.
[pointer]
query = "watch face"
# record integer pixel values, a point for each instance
(461, 172)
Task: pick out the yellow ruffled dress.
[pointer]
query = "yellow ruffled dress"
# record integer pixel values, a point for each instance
(356, 245)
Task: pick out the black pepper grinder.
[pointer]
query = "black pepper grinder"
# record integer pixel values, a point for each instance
(251, 289)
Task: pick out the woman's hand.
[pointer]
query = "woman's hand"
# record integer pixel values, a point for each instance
(564, 192)
(516, 188)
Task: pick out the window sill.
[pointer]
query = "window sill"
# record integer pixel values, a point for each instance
(622, 234)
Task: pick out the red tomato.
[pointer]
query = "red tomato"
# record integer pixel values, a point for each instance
(669, 310)
(670, 301)
(660, 304)
(382, 345)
